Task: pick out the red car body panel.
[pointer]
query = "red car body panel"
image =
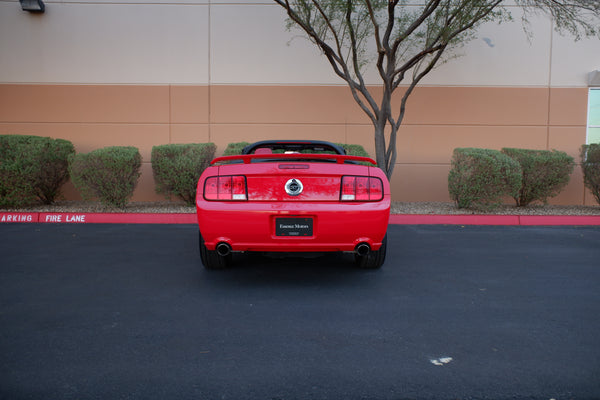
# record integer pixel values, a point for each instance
(265, 219)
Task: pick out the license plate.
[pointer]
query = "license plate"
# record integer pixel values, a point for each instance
(293, 226)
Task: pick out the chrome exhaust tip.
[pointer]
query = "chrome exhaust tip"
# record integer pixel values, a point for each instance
(362, 249)
(223, 249)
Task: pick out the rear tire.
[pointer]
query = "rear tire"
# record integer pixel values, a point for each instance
(210, 258)
(374, 259)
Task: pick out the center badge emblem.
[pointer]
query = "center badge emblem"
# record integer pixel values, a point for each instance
(293, 187)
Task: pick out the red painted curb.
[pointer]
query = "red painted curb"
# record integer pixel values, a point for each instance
(99, 218)
(521, 220)
(9, 217)
(560, 220)
(397, 219)
(435, 219)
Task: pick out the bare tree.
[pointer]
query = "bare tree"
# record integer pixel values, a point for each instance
(410, 38)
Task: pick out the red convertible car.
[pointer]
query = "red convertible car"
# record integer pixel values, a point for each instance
(293, 196)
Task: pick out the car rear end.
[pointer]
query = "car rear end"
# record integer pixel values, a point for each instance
(292, 203)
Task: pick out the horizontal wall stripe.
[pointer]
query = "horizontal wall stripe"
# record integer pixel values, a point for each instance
(438, 120)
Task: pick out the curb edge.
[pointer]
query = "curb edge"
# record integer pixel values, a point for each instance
(395, 219)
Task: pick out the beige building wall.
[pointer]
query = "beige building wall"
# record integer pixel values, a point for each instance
(145, 73)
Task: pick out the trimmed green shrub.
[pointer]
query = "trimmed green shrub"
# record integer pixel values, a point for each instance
(590, 164)
(545, 173)
(109, 174)
(32, 169)
(177, 168)
(17, 171)
(480, 178)
(354, 150)
(234, 149)
(54, 168)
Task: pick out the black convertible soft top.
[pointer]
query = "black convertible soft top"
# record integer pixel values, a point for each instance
(316, 146)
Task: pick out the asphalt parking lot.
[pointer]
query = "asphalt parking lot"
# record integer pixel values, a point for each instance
(127, 312)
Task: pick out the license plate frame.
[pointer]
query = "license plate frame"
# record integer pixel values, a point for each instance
(294, 226)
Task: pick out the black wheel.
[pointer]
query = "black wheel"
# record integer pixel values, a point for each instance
(211, 259)
(374, 259)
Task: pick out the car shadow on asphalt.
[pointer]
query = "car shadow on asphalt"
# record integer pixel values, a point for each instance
(296, 270)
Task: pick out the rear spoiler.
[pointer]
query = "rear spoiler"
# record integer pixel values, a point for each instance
(247, 159)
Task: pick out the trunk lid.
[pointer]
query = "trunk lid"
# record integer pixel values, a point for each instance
(294, 181)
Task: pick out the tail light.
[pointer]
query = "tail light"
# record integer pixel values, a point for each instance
(361, 188)
(225, 188)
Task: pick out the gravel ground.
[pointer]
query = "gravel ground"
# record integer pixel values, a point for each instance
(450, 208)
(397, 208)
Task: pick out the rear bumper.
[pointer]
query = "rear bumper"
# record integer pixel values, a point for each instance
(251, 226)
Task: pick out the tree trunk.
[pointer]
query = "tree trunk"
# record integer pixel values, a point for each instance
(384, 154)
